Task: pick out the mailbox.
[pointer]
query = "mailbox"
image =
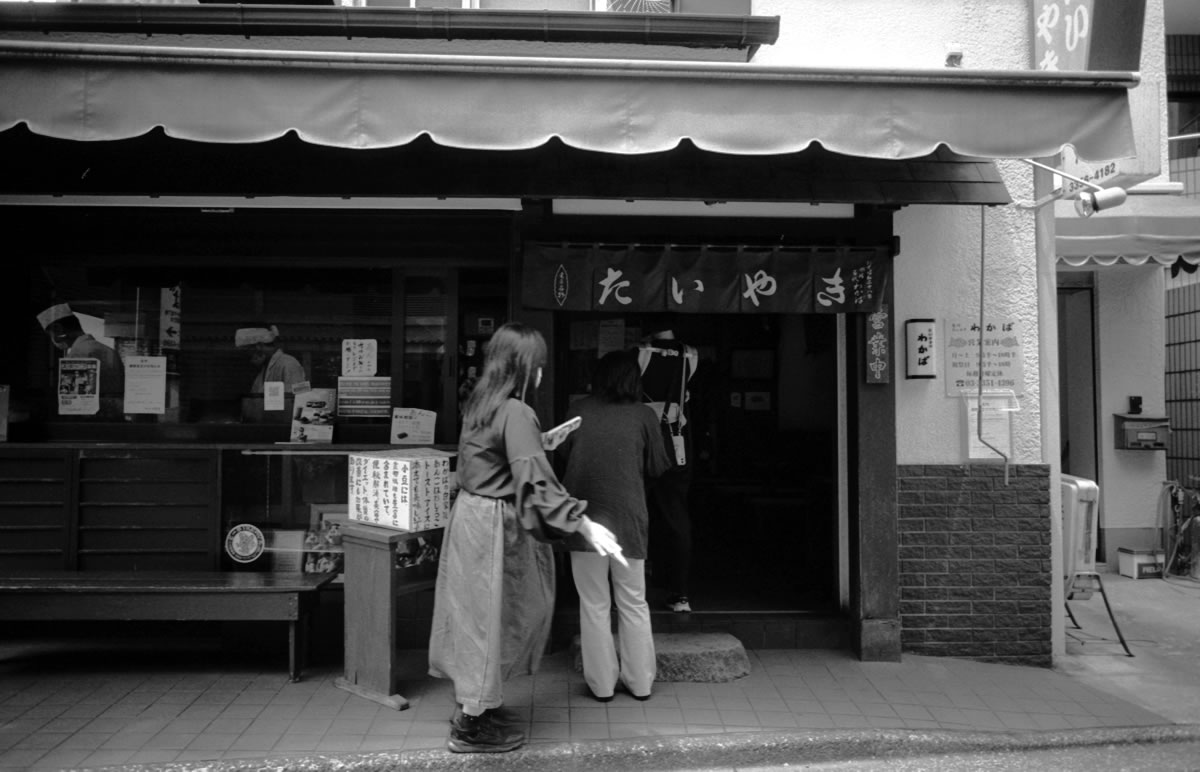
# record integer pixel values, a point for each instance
(1140, 432)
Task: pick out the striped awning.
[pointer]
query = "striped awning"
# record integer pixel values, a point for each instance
(1159, 229)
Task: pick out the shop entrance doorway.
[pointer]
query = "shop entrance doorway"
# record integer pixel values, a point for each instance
(763, 413)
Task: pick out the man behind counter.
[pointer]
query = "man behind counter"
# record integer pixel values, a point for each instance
(273, 363)
(66, 332)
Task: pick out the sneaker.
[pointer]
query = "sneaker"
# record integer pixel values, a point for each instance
(679, 603)
(482, 734)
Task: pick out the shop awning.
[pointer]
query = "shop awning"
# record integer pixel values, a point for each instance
(1144, 228)
(82, 91)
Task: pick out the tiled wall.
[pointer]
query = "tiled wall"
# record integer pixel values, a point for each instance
(1187, 171)
(975, 562)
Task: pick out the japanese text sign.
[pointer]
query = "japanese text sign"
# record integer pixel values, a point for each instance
(1003, 361)
(709, 280)
(1061, 34)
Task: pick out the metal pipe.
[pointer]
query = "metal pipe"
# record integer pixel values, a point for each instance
(566, 66)
(692, 30)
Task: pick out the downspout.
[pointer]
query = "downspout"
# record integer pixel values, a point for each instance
(1047, 290)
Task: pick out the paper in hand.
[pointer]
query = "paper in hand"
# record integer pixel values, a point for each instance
(553, 438)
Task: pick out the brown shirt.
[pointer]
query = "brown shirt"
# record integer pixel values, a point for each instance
(608, 458)
(505, 461)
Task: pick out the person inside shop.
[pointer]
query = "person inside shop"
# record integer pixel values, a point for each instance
(273, 363)
(616, 448)
(494, 593)
(666, 366)
(67, 334)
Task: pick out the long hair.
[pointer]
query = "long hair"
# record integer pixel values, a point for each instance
(617, 378)
(511, 359)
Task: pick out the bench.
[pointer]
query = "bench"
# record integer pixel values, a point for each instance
(184, 596)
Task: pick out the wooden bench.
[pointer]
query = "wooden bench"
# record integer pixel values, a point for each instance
(184, 596)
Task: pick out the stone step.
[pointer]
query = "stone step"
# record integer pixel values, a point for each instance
(691, 657)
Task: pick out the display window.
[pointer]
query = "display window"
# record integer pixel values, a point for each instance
(248, 353)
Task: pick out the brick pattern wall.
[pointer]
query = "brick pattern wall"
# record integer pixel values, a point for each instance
(975, 562)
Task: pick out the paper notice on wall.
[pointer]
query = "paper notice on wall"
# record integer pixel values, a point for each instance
(412, 426)
(1002, 364)
(360, 356)
(78, 386)
(146, 385)
(274, 397)
(996, 426)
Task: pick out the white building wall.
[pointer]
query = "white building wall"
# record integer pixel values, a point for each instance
(1131, 346)
(937, 271)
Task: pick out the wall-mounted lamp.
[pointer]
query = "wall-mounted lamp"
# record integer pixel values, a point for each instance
(1105, 198)
(920, 352)
(1088, 203)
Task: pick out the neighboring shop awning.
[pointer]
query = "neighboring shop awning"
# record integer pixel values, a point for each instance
(83, 91)
(1144, 228)
(712, 280)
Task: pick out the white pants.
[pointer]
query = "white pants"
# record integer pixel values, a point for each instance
(636, 666)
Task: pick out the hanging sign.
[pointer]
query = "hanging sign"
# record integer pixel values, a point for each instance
(710, 280)
(170, 316)
(878, 364)
(1062, 32)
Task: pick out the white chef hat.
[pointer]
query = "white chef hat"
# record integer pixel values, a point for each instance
(53, 314)
(248, 336)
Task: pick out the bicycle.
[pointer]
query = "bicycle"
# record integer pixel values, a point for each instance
(1179, 526)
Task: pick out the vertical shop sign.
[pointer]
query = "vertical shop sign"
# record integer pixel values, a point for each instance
(1003, 363)
(878, 354)
(170, 316)
(1061, 34)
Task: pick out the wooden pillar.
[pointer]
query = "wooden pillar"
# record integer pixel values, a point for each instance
(875, 591)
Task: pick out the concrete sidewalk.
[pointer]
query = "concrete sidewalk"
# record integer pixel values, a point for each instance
(79, 708)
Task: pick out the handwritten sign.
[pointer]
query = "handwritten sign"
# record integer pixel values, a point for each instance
(1003, 361)
(360, 356)
(1061, 34)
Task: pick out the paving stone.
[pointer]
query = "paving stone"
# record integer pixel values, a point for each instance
(693, 657)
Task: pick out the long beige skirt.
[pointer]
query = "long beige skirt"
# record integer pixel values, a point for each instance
(493, 603)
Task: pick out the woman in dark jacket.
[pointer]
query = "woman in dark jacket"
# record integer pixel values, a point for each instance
(608, 457)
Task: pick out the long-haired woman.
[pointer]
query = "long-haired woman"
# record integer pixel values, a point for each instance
(494, 596)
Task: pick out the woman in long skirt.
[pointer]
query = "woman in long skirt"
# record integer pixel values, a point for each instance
(494, 596)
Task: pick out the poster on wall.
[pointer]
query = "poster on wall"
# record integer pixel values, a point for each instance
(146, 385)
(996, 427)
(78, 386)
(1003, 360)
